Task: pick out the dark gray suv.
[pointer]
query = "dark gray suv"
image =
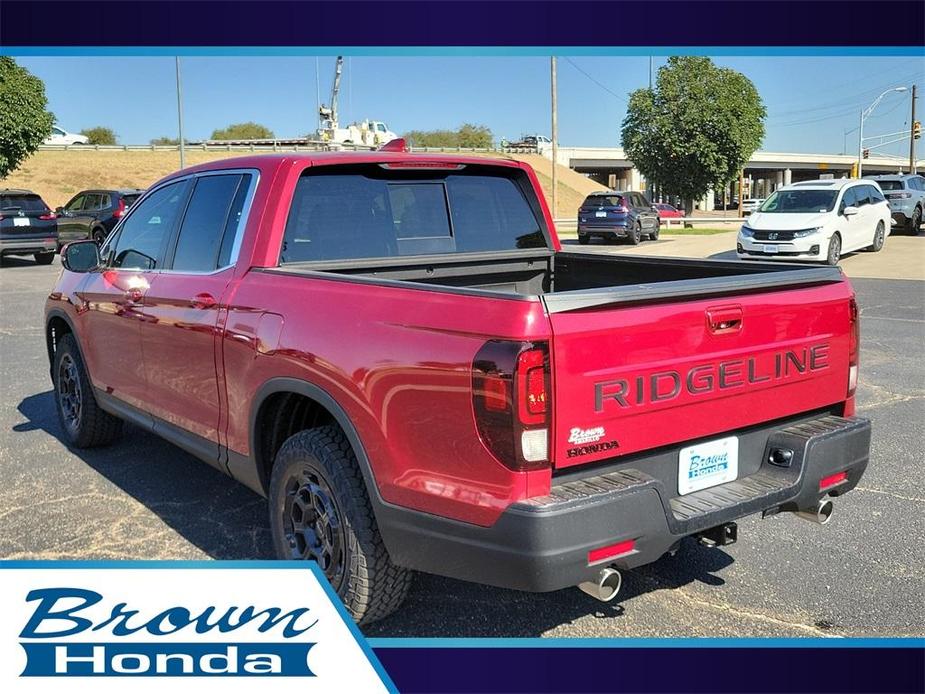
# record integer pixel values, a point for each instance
(906, 195)
(615, 215)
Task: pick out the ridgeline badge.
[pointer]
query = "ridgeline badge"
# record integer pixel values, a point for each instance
(186, 619)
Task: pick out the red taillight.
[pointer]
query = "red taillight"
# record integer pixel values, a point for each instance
(854, 339)
(531, 386)
(611, 551)
(120, 210)
(620, 209)
(510, 398)
(48, 216)
(832, 480)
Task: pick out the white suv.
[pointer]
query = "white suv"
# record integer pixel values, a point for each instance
(816, 221)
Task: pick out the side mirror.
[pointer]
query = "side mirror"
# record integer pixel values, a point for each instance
(81, 256)
(850, 210)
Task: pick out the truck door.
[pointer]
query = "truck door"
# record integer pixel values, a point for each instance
(114, 297)
(184, 309)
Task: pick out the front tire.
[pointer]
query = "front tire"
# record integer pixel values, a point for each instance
(916, 221)
(834, 253)
(320, 510)
(879, 237)
(85, 424)
(44, 258)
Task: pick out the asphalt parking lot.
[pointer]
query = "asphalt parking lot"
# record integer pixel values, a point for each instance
(863, 574)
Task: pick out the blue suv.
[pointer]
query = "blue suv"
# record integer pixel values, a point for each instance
(906, 195)
(615, 215)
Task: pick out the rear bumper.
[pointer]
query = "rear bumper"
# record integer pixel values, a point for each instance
(15, 246)
(609, 231)
(542, 544)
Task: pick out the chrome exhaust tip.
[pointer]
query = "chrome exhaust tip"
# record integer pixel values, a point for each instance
(605, 588)
(822, 513)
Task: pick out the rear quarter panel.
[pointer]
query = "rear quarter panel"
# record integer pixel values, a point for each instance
(398, 361)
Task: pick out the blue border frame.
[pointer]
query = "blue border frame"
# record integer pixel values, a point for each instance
(460, 51)
(223, 564)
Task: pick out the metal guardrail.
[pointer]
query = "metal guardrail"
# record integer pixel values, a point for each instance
(277, 146)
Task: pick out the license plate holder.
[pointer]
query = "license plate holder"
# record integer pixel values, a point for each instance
(600, 214)
(770, 249)
(708, 464)
(20, 221)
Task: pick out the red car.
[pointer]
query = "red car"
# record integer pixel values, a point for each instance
(396, 351)
(666, 211)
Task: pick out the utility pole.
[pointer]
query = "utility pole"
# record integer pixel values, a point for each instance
(555, 136)
(860, 145)
(741, 191)
(912, 134)
(180, 116)
(650, 73)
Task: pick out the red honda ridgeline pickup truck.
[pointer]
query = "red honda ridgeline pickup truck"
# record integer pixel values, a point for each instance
(398, 353)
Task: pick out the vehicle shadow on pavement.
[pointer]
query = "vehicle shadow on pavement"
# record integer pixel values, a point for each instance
(222, 519)
(443, 607)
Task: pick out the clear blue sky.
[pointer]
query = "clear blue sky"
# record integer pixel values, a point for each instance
(811, 101)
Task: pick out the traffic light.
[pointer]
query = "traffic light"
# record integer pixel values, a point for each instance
(917, 130)
(866, 153)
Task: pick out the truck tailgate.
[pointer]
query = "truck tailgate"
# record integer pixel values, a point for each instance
(636, 377)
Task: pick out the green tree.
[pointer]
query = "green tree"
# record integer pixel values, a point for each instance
(165, 141)
(24, 120)
(243, 131)
(466, 135)
(696, 129)
(100, 135)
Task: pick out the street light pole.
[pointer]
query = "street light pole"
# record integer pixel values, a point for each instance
(865, 114)
(180, 116)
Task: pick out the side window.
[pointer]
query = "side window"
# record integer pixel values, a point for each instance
(874, 194)
(91, 202)
(209, 218)
(918, 183)
(142, 242)
(862, 194)
(106, 202)
(848, 200)
(75, 204)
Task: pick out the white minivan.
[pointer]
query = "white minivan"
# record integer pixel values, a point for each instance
(816, 221)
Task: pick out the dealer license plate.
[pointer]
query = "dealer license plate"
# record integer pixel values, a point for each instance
(600, 214)
(770, 249)
(708, 464)
(20, 221)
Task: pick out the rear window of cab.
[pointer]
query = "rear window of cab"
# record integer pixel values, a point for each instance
(344, 213)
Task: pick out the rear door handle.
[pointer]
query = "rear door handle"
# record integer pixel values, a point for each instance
(723, 320)
(203, 300)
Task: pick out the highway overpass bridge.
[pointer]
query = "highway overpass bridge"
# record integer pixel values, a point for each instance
(765, 171)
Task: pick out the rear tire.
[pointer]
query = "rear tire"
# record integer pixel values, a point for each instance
(916, 221)
(834, 254)
(635, 236)
(44, 258)
(879, 237)
(653, 235)
(85, 424)
(584, 240)
(99, 236)
(320, 511)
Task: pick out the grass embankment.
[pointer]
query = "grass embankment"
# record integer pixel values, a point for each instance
(58, 175)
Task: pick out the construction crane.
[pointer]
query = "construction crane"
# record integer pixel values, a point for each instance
(366, 133)
(329, 114)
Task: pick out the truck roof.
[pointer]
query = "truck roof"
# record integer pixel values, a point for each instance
(324, 158)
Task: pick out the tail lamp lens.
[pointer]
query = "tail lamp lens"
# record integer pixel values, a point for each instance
(510, 395)
(854, 339)
(48, 216)
(120, 210)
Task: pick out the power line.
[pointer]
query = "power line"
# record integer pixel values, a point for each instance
(599, 84)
